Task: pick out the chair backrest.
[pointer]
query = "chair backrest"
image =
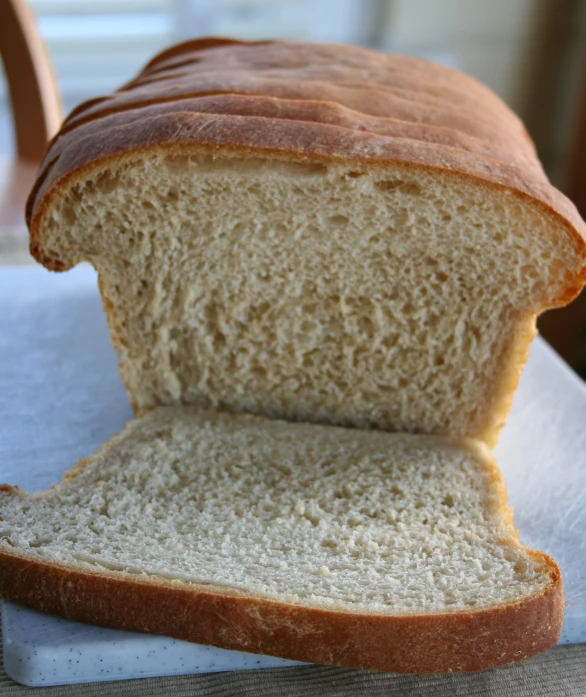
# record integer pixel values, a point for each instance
(36, 105)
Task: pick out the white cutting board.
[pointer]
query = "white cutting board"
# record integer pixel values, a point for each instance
(61, 396)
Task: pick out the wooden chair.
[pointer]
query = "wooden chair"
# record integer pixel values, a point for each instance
(36, 109)
(36, 106)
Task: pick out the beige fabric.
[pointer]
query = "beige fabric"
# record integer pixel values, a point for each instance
(556, 673)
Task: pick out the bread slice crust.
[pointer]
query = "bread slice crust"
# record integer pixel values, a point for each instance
(438, 643)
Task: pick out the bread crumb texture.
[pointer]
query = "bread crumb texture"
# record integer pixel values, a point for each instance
(393, 300)
(314, 515)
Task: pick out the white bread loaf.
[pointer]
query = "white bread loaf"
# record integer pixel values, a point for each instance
(313, 232)
(317, 543)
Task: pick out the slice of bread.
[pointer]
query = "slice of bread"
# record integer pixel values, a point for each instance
(317, 543)
(314, 232)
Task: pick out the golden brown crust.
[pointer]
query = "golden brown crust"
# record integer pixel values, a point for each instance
(302, 102)
(403, 644)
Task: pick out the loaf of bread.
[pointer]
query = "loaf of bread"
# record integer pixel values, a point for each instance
(312, 232)
(316, 543)
(315, 233)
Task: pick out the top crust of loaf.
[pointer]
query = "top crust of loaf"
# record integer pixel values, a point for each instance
(300, 101)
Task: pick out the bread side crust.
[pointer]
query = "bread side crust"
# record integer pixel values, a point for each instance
(459, 641)
(503, 390)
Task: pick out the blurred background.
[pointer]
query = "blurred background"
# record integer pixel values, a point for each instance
(531, 52)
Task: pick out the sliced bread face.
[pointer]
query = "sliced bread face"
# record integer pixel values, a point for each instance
(313, 232)
(395, 298)
(314, 543)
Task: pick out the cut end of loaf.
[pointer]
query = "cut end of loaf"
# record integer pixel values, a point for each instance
(395, 297)
(315, 541)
